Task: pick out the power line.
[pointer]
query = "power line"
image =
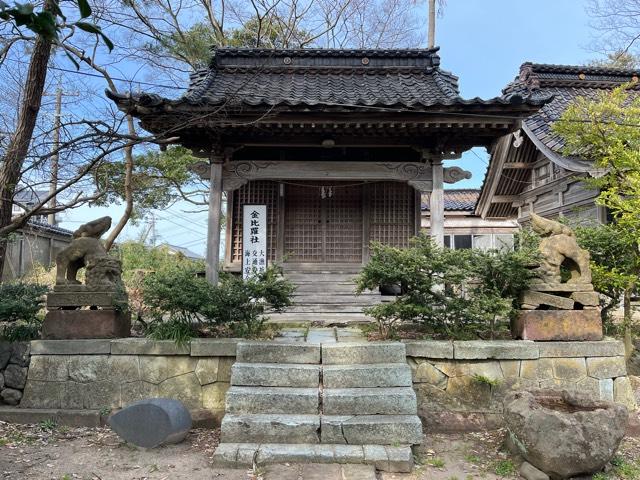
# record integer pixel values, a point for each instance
(97, 75)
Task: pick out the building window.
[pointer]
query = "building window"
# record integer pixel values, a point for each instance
(482, 242)
(542, 174)
(462, 241)
(488, 241)
(504, 241)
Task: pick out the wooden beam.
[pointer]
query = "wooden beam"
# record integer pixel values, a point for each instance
(213, 220)
(504, 198)
(436, 204)
(518, 165)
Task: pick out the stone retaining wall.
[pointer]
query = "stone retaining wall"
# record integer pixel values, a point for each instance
(14, 363)
(459, 385)
(110, 374)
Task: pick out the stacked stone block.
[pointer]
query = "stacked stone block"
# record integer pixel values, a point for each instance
(76, 377)
(461, 385)
(111, 374)
(335, 403)
(14, 365)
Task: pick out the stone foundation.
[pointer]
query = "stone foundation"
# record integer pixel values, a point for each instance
(87, 324)
(110, 374)
(14, 363)
(563, 325)
(459, 385)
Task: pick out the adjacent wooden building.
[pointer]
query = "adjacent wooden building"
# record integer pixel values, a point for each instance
(341, 145)
(528, 171)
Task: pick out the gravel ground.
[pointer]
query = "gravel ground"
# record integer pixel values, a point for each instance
(47, 451)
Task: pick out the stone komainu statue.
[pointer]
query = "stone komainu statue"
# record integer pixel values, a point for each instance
(560, 248)
(86, 250)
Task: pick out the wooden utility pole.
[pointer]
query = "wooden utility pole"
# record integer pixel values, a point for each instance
(53, 185)
(432, 24)
(55, 157)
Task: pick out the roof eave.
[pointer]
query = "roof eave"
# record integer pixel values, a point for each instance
(571, 163)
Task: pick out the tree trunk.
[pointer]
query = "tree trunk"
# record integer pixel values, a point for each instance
(128, 189)
(12, 163)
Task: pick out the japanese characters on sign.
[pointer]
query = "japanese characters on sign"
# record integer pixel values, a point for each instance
(254, 240)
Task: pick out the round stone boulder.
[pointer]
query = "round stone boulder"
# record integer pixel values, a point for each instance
(563, 434)
(152, 422)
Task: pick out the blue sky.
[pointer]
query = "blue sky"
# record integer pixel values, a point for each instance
(483, 42)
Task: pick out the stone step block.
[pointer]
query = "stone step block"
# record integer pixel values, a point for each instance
(369, 401)
(371, 429)
(272, 400)
(349, 353)
(325, 288)
(269, 352)
(326, 308)
(320, 318)
(367, 375)
(271, 428)
(332, 298)
(319, 277)
(242, 455)
(275, 375)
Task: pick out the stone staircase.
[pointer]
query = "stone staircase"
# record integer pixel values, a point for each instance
(326, 297)
(349, 403)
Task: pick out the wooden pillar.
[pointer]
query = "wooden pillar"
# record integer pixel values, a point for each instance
(436, 207)
(213, 221)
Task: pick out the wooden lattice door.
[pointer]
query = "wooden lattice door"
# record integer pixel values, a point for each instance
(392, 213)
(323, 224)
(343, 224)
(303, 224)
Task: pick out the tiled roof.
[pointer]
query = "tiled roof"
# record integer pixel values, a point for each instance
(26, 196)
(323, 76)
(463, 199)
(564, 83)
(184, 251)
(238, 77)
(48, 228)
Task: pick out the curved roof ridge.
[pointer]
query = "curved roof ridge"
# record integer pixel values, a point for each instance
(327, 52)
(592, 69)
(447, 82)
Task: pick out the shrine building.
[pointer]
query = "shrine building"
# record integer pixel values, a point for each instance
(340, 145)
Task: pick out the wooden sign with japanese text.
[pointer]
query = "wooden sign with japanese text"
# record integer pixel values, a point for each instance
(254, 240)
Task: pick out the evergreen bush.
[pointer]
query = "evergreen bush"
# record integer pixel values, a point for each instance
(20, 310)
(184, 305)
(448, 293)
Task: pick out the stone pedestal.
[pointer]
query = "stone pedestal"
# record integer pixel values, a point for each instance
(70, 324)
(557, 325)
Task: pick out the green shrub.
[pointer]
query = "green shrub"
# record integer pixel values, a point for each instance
(505, 468)
(173, 329)
(22, 331)
(183, 305)
(177, 293)
(20, 301)
(451, 293)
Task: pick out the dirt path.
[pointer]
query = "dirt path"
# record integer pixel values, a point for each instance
(47, 452)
